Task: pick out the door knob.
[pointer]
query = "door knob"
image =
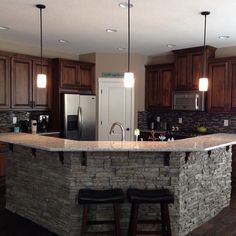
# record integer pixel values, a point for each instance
(127, 129)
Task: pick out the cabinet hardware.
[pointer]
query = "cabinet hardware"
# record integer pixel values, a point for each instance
(61, 157)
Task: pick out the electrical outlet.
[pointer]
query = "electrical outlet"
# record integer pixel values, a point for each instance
(226, 122)
(158, 119)
(14, 120)
(180, 120)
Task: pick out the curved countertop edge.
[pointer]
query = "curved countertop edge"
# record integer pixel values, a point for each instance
(194, 144)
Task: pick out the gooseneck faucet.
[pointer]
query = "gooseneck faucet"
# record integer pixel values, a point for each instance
(121, 128)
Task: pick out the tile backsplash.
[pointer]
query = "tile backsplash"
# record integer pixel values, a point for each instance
(214, 122)
(6, 118)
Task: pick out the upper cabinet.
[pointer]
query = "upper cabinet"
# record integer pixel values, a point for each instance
(158, 86)
(222, 85)
(4, 82)
(74, 76)
(24, 91)
(189, 66)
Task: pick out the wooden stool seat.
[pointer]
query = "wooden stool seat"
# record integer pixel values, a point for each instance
(140, 196)
(110, 196)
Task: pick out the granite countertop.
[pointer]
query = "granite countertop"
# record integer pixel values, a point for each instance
(200, 143)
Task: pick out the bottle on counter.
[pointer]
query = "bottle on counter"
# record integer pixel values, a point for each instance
(34, 126)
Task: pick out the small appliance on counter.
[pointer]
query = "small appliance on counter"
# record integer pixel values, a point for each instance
(43, 122)
(34, 126)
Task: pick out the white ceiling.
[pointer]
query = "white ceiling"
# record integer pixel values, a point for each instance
(154, 24)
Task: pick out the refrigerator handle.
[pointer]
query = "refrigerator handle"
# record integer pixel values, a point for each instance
(79, 122)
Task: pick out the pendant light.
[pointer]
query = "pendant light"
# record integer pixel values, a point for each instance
(129, 76)
(203, 82)
(41, 78)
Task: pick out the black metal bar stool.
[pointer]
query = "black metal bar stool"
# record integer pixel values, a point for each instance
(160, 196)
(111, 196)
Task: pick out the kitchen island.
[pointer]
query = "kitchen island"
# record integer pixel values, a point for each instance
(44, 175)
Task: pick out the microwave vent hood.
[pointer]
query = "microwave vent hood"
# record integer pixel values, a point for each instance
(188, 100)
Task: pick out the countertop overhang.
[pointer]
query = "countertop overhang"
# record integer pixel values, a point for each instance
(200, 143)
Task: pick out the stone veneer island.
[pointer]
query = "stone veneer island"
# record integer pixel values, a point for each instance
(44, 175)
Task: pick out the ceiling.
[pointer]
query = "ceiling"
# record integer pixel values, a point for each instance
(154, 24)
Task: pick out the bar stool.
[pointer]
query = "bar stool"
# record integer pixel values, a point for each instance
(111, 196)
(160, 196)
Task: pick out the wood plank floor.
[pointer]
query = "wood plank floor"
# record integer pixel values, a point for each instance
(224, 224)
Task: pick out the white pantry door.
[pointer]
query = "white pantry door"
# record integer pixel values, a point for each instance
(116, 104)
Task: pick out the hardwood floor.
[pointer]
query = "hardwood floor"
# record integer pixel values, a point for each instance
(224, 224)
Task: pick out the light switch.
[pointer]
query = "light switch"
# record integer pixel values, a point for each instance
(158, 118)
(14, 120)
(180, 120)
(226, 122)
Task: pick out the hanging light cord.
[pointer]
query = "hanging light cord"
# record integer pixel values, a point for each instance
(41, 7)
(41, 39)
(204, 56)
(204, 13)
(128, 35)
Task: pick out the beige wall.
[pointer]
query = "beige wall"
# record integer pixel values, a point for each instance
(108, 62)
(34, 51)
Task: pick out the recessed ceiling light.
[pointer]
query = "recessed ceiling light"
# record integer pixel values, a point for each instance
(224, 37)
(111, 30)
(171, 45)
(125, 5)
(121, 49)
(63, 41)
(4, 27)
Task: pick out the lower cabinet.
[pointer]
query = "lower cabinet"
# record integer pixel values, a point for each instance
(3, 159)
(233, 174)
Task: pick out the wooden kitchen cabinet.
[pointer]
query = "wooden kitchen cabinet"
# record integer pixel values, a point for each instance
(25, 94)
(75, 76)
(222, 85)
(233, 173)
(158, 86)
(3, 151)
(4, 82)
(189, 66)
(21, 81)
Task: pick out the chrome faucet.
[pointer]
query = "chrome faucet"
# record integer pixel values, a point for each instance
(121, 128)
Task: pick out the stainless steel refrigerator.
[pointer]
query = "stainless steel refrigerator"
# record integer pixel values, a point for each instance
(79, 113)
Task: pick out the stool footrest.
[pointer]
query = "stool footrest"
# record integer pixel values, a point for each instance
(149, 222)
(99, 222)
(100, 233)
(149, 232)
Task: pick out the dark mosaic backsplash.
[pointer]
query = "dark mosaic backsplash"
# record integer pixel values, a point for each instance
(214, 122)
(7, 116)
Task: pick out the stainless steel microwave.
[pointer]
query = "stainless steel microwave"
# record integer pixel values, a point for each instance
(188, 100)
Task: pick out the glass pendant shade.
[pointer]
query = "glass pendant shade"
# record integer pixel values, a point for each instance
(203, 84)
(41, 81)
(129, 80)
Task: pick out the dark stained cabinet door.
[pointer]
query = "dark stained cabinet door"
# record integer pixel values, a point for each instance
(233, 174)
(189, 66)
(4, 82)
(232, 87)
(181, 72)
(86, 75)
(165, 89)
(158, 86)
(218, 87)
(21, 83)
(196, 71)
(3, 159)
(69, 75)
(42, 96)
